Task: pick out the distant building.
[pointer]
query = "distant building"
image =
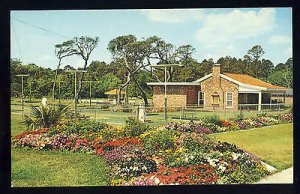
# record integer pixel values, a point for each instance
(217, 91)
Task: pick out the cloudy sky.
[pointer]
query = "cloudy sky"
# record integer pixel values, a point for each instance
(214, 33)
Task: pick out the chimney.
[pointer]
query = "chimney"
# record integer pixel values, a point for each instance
(216, 74)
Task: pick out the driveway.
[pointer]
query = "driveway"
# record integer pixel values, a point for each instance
(285, 176)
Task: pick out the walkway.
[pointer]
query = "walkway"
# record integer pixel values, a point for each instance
(285, 176)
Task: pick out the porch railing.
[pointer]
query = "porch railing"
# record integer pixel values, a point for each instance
(264, 107)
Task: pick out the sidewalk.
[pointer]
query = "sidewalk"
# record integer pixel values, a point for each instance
(283, 177)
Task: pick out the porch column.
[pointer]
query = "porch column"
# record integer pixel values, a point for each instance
(259, 101)
(284, 95)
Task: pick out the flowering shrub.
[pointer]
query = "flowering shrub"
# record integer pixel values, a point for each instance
(109, 134)
(134, 128)
(36, 140)
(156, 140)
(225, 123)
(201, 129)
(188, 127)
(120, 152)
(63, 141)
(84, 126)
(285, 117)
(130, 167)
(213, 119)
(200, 174)
(241, 169)
(40, 131)
(83, 145)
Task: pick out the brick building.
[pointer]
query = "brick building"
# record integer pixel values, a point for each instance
(216, 91)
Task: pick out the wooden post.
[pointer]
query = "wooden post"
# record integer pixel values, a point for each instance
(59, 92)
(90, 93)
(259, 101)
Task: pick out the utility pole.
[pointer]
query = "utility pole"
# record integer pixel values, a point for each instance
(90, 82)
(22, 98)
(75, 97)
(166, 98)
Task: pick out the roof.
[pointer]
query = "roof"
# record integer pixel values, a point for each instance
(173, 84)
(114, 92)
(246, 79)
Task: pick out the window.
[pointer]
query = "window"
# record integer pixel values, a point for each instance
(200, 98)
(215, 99)
(229, 99)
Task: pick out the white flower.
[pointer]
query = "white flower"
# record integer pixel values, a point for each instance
(156, 180)
(44, 102)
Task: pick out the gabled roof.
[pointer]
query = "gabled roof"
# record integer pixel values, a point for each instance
(246, 79)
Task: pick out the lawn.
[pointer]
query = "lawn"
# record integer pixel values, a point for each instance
(34, 168)
(119, 118)
(273, 144)
(54, 168)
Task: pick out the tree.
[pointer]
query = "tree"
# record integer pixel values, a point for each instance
(134, 56)
(84, 47)
(61, 51)
(255, 53)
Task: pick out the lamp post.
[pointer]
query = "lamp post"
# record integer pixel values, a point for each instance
(75, 97)
(165, 68)
(22, 98)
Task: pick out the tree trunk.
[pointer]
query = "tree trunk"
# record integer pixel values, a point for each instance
(81, 81)
(55, 78)
(143, 93)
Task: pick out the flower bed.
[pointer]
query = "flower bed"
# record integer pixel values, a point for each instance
(214, 124)
(175, 154)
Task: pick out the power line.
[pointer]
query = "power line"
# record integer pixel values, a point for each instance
(17, 41)
(41, 28)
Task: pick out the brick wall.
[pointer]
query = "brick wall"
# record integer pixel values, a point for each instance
(177, 95)
(219, 86)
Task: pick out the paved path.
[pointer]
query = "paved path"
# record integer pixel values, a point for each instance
(285, 176)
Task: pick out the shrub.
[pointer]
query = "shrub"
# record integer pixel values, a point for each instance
(45, 116)
(134, 128)
(156, 140)
(201, 129)
(214, 119)
(120, 152)
(212, 127)
(200, 174)
(84, 126)
(130, 167)
(109, 134)
(243, 170)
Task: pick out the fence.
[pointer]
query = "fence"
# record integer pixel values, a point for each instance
(118, 114)
(264, 107)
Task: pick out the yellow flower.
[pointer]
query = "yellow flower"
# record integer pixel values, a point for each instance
(177, 159)
(168, 151)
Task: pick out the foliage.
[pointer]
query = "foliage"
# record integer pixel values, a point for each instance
(45, 116)
(213, 119)
(84, 126)
(200, 174)
(134, 128)
(155, 140)
(188, 127)
(130, 167)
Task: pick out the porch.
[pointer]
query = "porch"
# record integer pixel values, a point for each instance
(262, 100)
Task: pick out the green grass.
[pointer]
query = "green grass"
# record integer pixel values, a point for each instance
(55, 168)
(119, 118)
(274, 144)
(35, 168)
(16, 126)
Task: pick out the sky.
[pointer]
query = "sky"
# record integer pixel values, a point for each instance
(214, 33)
